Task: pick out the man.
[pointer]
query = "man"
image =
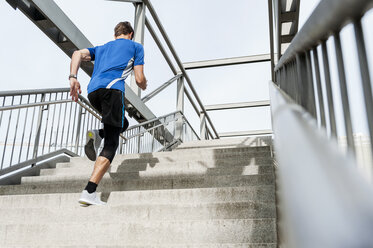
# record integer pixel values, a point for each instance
(114, 61)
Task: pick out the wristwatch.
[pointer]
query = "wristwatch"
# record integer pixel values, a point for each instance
(73, 76)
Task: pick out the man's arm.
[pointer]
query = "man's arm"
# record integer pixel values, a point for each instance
(76, 59)
(139, 76)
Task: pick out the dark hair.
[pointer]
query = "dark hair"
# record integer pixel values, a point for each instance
(123, 28)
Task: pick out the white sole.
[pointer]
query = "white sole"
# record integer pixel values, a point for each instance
(88, 203)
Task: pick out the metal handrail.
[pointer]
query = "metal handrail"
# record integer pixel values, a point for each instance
(19, 106)
(36, 160)
(294, 72)
(170, 64)
(154, 135)
(151, 129)
(162, 117)
(323, 200)
(178, 61)
(329, 17)
(50, 118)
(337, 210)
(187, 122)
(160, 88)
(33, 91)
(152, 120)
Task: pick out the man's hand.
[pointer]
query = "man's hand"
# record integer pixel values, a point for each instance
(77, 57)
(143, 85)
(74, 89)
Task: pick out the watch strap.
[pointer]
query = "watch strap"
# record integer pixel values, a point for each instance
(73, 76)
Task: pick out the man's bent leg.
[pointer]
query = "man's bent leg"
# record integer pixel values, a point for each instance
(102, 164)
(107, 154)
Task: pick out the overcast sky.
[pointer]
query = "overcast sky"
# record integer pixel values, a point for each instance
(199, 30)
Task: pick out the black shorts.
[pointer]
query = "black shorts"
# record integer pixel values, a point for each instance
(110, 104)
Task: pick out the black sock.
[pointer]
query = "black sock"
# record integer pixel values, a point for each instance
(91, 187)
(101, 133)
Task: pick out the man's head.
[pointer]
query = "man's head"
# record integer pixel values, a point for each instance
(123, 30)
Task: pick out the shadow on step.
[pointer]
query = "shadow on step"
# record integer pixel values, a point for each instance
(191, 168)
(239, 160)
(132, 167)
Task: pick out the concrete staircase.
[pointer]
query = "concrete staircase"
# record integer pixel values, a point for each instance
(217, 193)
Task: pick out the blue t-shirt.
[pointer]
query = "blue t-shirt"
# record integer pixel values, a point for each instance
(114, 61)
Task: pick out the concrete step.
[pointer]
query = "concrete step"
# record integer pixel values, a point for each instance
(115, 214)
(141, 233)
(114, 178)
(248, 142)
(69, 184)
(190, 155)
(242, 245)
(264, 193)
(141, 164)
(159, 170)
(215, 151)
(247, 160)
(197, 153)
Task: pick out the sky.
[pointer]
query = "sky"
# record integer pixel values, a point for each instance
(199, 30)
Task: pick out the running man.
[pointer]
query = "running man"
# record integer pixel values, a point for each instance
(114, 61)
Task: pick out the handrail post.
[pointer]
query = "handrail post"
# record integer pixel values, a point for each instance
(78, 129)
(307, 99)
(179, 107)
(38, 128)
(153, 141)
(202, 117)
(270, 16)
(138, 36)
(138, 140)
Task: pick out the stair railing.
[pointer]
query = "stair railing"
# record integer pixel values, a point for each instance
(323, 201)
(294, 72)
(40, 124)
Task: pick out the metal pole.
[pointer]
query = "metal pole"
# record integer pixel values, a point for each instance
(160, 46)
(319, 88)
(52, 126)
(15, 134)
(169, 62)
(178, 61)
(153, 139)
(7, 132)
(38, 128)
(279, 10)
(179, 107)
(364, 70)
(203, 126)
(328, 84)
(82, 130)
(1, 115)
(270, 16)
(302, 80)
(344, 93)
(64, 123)
(58, 122)
(23, 132)
(138, 36)
(311, 99)
(73, 124)
(121, 142)
(138, 140)
(78, 129)
(47, 107)
(32, 127)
